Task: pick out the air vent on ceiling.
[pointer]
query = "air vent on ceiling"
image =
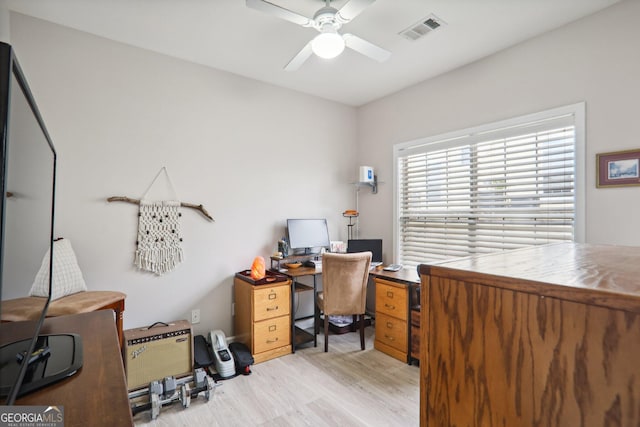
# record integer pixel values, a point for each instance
(422, 27)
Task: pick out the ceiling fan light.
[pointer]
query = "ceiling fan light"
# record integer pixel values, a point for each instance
(328, 45)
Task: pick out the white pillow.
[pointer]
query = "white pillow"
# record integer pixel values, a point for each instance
(67, 277)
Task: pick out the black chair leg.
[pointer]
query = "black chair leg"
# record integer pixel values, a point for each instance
(316, 322)
(326, 333)
(362, 331)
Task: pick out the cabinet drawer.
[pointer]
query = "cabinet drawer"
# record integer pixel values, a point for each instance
(271, 333)
(415, 344)
(271, 302)
(391, 300)
(415, 318)
(415, 333)
(391, 331)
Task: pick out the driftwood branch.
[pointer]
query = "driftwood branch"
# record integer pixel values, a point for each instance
(183, 204)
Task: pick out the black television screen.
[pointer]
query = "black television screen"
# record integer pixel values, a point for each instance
(27, 184)
(309, 235)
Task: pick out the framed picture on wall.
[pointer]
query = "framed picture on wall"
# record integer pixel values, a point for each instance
(618, 169)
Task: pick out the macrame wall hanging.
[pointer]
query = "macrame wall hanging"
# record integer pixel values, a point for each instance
(159, 241)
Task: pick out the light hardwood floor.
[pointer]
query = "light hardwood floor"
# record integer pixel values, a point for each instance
(344, 387)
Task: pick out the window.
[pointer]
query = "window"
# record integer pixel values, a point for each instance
(501, 186)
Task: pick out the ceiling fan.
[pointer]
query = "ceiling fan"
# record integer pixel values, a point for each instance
(327, 20)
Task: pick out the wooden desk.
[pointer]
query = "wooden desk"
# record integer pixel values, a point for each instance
(405, 281)
(97, 394)
(548, 335)
(298, 335)
(408, 276)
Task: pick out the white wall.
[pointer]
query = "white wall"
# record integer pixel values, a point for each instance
(5, 22)
(596, 60)
(251, 153)
(254, 154)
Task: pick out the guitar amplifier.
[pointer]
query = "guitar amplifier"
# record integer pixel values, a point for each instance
(157, 351)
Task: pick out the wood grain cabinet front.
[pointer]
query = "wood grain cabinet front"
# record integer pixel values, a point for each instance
(392, 327)
(415, 333)
(391, 332)
(271, 334)
(271, 302)
(262, 318)
(541, 336)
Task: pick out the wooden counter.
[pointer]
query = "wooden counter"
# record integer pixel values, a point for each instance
(97, 394)
(405, 275)
(543, 336)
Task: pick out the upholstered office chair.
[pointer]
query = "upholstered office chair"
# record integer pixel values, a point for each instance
(344, 283)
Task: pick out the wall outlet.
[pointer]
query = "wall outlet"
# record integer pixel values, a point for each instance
(195, 316)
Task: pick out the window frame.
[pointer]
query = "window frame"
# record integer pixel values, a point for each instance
(464, 136)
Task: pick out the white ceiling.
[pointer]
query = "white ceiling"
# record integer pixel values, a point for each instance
(226, 35)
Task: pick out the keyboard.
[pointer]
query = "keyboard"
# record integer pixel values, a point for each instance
(393, 267)
(376, 263)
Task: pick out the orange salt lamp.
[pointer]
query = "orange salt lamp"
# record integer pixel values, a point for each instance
(258, 268)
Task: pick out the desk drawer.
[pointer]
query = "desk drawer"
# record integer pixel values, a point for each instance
(271, 333)
(271, 302)
(391, 300)
(391, 331)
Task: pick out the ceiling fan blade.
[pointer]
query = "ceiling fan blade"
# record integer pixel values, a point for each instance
(366, 48)
(280, 12)
(300, 58)
(352, 9)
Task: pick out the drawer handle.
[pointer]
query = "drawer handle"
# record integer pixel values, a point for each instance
(272, 308)
(272, 328)
(390, 338)
(389, 325)
(392, 307)
(272, 341)
(273, 295)
(390, 294)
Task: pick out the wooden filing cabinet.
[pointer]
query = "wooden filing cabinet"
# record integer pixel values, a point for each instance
(392, 323)
(263, 318)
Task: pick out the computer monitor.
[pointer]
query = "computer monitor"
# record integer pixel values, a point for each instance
(363, 245)
(308, 235)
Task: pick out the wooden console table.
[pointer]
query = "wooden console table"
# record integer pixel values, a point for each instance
(29, 308)
(97, 394)
(547, 336)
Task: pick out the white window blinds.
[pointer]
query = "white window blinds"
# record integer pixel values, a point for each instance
(490, 190)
